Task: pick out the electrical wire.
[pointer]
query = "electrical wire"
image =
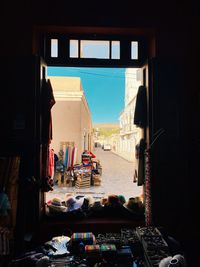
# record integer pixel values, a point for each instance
(80, 70)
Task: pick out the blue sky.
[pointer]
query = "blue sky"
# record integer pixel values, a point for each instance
(103, 87)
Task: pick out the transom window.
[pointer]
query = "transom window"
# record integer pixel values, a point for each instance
(63, 49)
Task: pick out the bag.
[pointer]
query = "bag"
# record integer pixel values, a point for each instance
(57, 246)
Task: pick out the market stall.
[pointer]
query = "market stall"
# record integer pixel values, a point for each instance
(80, 175)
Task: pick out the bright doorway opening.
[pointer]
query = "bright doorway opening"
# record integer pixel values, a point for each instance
(94, 111)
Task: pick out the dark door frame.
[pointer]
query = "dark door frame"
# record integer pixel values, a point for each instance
(146, 63)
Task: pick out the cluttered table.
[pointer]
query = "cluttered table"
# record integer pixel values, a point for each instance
(138, 247)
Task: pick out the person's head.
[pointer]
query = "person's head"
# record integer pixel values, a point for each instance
(134, 204)
(122, 199)
(113, 200)
(104, 200)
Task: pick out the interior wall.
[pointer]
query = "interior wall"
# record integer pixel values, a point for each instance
(175, 97)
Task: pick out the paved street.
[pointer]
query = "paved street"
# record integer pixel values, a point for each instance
(117, 178)
(117, 174)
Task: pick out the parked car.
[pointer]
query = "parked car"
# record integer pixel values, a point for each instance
(107, 147)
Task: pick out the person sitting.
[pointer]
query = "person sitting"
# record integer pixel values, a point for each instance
(87, 157)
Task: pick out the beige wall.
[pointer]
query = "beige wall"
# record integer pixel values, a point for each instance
(66, 124)
(85, 127)
(70, 115)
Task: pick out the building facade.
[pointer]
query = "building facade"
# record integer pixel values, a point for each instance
(70, 115)
(129, 133)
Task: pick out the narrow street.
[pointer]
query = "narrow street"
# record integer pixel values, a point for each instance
(117, 178)
(117, 174)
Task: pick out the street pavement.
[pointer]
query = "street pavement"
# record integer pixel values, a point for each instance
(117, 178)
(117, 174)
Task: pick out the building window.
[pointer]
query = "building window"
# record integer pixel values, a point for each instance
(54, 47)
(115, 50)
(134, 50)
(73, 48)
(94, 49)
(65, 49)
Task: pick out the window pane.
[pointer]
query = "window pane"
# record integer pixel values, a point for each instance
(54, 47)
(115, 50)
(134, 50)
(94, 49)
(73, 48)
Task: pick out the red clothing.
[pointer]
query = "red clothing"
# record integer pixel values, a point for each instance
(87, 156)
(51, 163)
(87, 152)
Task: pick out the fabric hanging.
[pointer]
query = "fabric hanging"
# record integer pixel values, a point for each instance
(70, 156)
(74, 155)
(48, 101)
(140, 165)
(4, 241)
(5, 205)
(72, 160)
(66, 157)
(51, 163)
(140, 115)
(147, 190)
(45, 156)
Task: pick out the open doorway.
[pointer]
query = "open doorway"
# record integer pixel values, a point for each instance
(88, 54)
(94, 112)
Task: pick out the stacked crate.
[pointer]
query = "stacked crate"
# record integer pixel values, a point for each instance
(96, 179)
(83, 180)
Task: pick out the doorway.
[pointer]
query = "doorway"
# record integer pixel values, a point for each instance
(131, 53)
(107, 98)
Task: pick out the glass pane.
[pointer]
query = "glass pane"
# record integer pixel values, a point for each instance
(134, 50)
(94, 49)
(54, 47)
(73, 48)
(115, 50)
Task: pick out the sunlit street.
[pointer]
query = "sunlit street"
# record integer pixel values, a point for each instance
(117, 178)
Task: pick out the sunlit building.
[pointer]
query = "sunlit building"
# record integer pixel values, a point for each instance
(129, 133)
(71, 115)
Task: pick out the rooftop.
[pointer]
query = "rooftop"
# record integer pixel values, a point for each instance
(66, 84)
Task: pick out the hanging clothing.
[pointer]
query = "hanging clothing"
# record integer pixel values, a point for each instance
(47, 169)
(148, 200)
(48, 101)
(4, 241)
(140, 169)
(66, 157)
(5, 206)
(74, 155)
(45, 156)
(51, 163)
(69, 156)
(140, 115)
(72, 161)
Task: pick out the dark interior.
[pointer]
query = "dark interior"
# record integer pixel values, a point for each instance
(172, 54)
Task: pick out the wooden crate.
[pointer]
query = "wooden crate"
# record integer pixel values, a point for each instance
(83, 182)
(96, 179)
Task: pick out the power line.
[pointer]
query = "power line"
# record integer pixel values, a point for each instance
(130, 76)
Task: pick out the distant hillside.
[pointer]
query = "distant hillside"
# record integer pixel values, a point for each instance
(106, 129)
(105, 125)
